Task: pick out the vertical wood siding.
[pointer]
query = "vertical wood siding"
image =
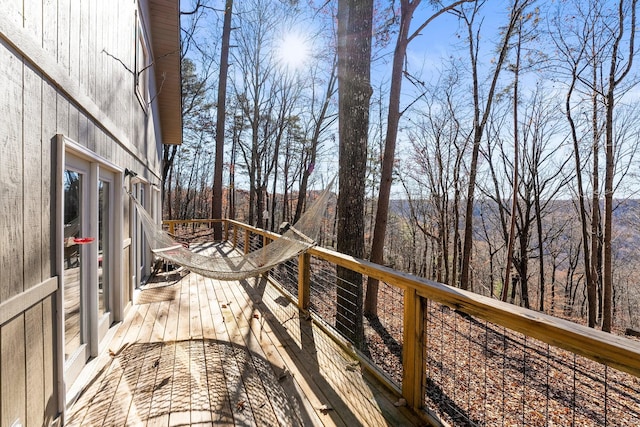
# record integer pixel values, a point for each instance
(93, 43)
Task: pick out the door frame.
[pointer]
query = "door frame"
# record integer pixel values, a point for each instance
(71, 153)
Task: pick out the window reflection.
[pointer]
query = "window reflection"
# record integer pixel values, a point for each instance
(103, 247)
(72, 262)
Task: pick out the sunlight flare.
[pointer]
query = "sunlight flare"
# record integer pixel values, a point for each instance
(293, 51)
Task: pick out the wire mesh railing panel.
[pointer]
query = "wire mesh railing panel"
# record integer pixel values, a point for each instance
(480, 374)
(323, 292)
(194, 231)
(239, 237)
(286, 275)
(378, 338)
(384, 333)
(255, 242)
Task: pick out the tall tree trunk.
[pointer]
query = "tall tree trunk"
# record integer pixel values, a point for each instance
(581, 194)
(393, 119)
(354, 68)
(516, 161)
(538, 214)
(614, 81)
(592, 286)
(216, 202)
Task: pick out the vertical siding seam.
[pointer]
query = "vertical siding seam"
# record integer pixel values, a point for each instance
(1, 369)
(24, 361)
(22, 162)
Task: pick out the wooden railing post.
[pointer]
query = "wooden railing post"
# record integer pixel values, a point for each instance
(235, 236)
(172, 228)
(247, 235)
(226, 231)
(304, 280)
(412, 355)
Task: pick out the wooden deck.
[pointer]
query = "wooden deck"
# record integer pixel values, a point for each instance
(195, 351)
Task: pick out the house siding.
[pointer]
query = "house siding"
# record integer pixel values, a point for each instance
(67, 68)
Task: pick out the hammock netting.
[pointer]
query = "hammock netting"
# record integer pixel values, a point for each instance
(296, 240)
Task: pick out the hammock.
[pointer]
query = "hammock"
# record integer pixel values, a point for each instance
(296, 240)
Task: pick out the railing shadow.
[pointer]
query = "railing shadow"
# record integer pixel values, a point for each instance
(280, 321)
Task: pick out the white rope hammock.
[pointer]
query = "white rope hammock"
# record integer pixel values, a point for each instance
(300, 237)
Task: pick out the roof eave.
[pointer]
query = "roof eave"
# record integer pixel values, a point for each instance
(165, 42)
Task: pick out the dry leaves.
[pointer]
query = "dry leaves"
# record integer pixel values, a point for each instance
(324, 409)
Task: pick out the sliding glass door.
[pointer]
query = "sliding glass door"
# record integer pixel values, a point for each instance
(142, 254)
(105, 251)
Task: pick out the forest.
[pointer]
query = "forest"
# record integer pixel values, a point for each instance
(496, 142)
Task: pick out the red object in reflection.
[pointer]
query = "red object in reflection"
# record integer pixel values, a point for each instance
(83, 240)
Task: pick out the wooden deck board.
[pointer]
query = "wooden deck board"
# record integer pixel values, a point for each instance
(205, 352)
(280, 407)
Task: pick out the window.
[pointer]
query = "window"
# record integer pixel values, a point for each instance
(142, 66)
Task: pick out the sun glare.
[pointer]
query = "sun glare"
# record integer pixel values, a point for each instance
(293, 51)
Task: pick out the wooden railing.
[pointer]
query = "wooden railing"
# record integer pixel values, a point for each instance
(174, 226)
(416, 295)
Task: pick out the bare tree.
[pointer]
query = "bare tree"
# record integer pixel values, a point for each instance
(438, 146)
(407, 8)
(618, 71)
(482, 110)
(254, 84)
(321, 118)
(216, 199)
(595, 40)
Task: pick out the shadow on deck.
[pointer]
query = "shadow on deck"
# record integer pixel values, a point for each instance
(196, 351)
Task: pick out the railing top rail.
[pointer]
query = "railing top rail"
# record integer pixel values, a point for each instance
(191, 221)
(253, 229)
(613, 350)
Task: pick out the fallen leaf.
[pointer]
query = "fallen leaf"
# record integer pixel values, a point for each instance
(162, 383)
(353, 366)
(283, 375)
(240, 405)
(400, 402)
(325, 408)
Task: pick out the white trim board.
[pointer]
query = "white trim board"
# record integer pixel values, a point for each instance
(21, 302)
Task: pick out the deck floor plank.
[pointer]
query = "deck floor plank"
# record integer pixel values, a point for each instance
(180, 412)
(318, 359)
(129, 364)
(311, 400)
(218, 394)
(197, 351)
(143, 374)
(200, 402)
(248, 316)
(161, 394)
(240, 336)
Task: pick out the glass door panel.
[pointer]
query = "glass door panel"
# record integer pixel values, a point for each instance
(73, 265)
(104, 249)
